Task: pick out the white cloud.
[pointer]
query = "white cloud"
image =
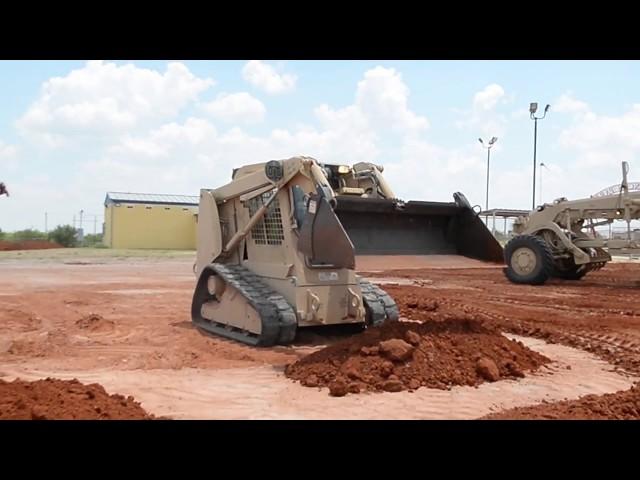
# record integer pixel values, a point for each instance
(382, 96)
(7, 151)
(598, 137)
(104, 98)
(381, 105)
(566, 103)
(488, 98)
(265, 77)
(483, 117)
(238, 107)
(8, 157)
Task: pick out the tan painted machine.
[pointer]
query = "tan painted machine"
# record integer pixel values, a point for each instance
(273, 256)
(560, 240)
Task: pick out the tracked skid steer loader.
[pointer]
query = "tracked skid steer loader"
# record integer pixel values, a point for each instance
(273, 256)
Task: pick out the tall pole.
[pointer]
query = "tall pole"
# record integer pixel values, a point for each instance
(486, 203)
(46, 230)
(533, 108)
(488, 147)
(535, 141)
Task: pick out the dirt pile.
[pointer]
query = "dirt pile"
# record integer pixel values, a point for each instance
(94, 323)
(53, 399)
(28, 245)
(408, 355)
(579, 315)
(623, 405)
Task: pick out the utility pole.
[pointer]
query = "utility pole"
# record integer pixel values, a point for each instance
(81, 211)
(488, 147)
(533, 107)
(74, 222)
(46, 229)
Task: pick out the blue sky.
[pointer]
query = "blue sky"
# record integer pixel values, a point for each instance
(72, 130)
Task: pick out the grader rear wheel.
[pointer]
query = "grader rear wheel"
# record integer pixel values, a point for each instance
(529, 260)
(568, 270)
(564, 268)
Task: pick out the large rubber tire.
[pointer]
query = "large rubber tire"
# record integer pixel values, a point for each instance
(571, 273)
(528, 259)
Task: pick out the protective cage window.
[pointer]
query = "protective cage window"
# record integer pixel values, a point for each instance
(268, 230)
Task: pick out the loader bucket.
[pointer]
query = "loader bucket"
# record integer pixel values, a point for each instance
(388, 227)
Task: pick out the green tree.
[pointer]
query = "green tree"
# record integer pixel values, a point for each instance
(2, 234)
(65, 235)
(28, 234)
(91, 240)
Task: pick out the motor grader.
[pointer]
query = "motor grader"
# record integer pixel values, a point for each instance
(277, 247)
(560, 240)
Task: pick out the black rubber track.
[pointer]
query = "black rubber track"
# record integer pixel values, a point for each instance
(278, 319)
(544, 267)
(379, 305)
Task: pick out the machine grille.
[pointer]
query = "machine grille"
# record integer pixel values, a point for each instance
(268, 231)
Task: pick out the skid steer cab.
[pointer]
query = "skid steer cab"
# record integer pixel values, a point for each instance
(273, 257)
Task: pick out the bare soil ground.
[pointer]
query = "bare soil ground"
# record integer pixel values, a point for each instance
(124, 323)
(53, 399)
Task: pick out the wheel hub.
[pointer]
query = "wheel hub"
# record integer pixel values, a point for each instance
(523, 261)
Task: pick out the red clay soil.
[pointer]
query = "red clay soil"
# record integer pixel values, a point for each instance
(599, 314)
(624, 405)
(28, 245)
(53, 399)
(408, 355)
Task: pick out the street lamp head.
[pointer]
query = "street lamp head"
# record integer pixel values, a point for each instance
(546, 109)
(533, 108)
(480, 140)
(493, 140)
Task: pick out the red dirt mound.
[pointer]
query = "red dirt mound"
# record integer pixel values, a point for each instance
(624, 405)
(94, 323)
(408, 355)
(53, 399)
(28, 245)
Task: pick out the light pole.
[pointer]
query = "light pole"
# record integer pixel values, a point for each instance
(533, 107)
(488, 147)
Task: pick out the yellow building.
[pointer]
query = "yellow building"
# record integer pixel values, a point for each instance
(139, 220)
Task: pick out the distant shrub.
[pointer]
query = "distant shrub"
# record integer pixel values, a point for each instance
(64, 235)
(93, 240)
(28, 234)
